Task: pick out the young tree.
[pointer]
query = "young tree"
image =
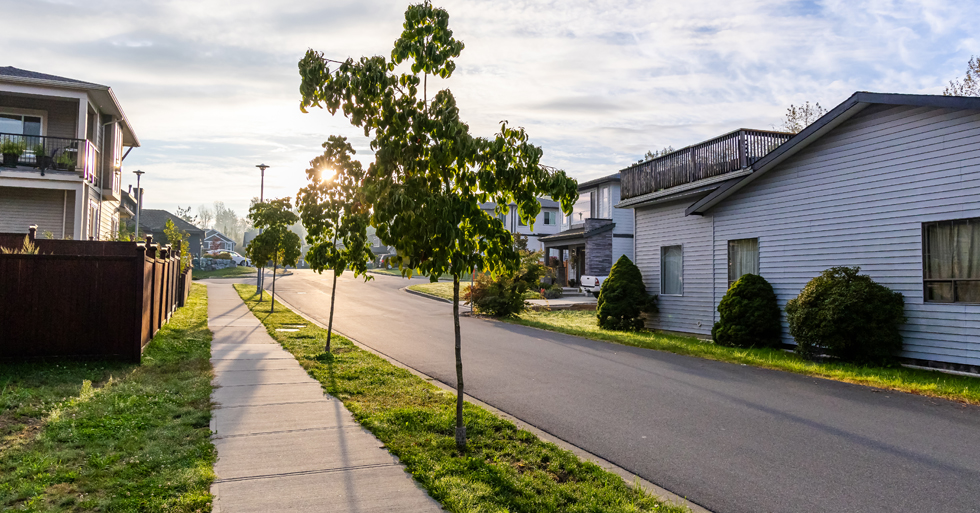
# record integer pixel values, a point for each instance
(429, 175)
(335, 217)
(177, 238)
(970, 85)
(800, 117)
(276, 242)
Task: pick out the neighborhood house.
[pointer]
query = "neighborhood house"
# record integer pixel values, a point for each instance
(887, 182)
(63, 143)
(217, 241)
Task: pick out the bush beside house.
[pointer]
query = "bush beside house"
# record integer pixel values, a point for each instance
(623, 298)
(748, 315)
(847, 316)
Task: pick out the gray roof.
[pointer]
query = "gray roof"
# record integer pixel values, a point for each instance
(212, 233)
(839, 114)
(154, 221)
(10, 71)
(597, 181)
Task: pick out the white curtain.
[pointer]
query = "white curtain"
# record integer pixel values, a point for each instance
(743, 258)
(966, 260)
(671, 268)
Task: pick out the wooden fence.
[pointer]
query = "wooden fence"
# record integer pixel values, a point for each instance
(86, 298)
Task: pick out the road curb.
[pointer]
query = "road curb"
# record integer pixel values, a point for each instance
(423, 294)
(627, 476)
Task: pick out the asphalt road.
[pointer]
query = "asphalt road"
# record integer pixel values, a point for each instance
(729, 437)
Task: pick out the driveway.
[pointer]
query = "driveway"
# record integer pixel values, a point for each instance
(732, 438)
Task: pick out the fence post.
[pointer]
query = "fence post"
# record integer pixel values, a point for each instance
(140, 296)
(742, 150)
(32, 233)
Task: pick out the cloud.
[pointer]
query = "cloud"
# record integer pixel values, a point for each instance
(211, 85)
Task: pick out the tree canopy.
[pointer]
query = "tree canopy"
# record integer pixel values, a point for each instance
(799, 117)
(970, 84)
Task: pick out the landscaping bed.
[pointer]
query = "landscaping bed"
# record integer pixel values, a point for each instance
(503, 469)
(103, 436)
(922, 382)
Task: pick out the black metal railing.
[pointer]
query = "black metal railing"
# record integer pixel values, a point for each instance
(55, 153)
(721, 155)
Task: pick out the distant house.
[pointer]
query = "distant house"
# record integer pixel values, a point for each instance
(217, 241)
(72, 138)
(594, 236)
(886, 182)
(545, 223)
(153, 222)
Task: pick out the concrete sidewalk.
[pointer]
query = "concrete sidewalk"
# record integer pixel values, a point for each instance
(283, 444)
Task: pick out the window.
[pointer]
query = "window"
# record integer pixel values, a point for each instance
(951, 261)
(582, 209)
(93, 220)
(743, 258)
(549, 218)
(604, 207)
(20, 125)
(672, 270)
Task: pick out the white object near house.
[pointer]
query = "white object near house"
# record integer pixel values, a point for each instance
(68, 179)
(887, 182)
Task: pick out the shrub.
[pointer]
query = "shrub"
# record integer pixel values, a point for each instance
(504, 295)
(552, 292)
(749, 315)
(623, 298)
(221, 256)
(847, 316)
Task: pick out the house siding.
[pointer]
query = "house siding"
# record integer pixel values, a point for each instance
(858, 197)
(22, 207)
(62, 115)
(666, 225)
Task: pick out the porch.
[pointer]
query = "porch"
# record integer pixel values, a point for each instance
(41, 154)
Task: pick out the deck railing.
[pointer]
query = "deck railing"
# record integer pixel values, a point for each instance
(721, 155)
(57, 153)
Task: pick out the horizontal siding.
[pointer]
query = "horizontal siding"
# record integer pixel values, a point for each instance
(622, 246)
(61, 115)
(666, 225)
(858, 197)
(22, 207)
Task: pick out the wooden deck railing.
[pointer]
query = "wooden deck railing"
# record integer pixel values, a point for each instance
(721, 155)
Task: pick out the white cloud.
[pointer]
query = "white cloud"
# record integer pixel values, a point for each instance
(211, 86)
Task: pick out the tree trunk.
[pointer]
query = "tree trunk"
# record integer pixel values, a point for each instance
(275, 264)
(460, 427)
(333, 296)
(258, 282)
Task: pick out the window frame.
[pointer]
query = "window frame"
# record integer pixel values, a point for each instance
(43, 114)
(925, 263)
(548, 215)
(680, 274)
(757, 263)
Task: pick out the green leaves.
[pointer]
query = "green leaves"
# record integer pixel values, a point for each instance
(428, 41)
(276, 243)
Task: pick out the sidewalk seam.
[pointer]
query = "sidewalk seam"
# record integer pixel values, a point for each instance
(308, 472)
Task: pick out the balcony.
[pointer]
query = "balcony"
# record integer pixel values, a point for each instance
(50, 153)
(717, 157)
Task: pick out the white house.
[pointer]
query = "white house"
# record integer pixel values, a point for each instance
(887, 182)
(595, 235)
(546, 223)
(217, 241)
(71, 137)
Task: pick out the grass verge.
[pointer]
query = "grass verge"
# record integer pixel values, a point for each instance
(97, 436)
(444, 290)
(929, 383)
(464, 278)
(229, 272)
(503, 469)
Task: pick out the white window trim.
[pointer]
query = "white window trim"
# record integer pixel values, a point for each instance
(662, 270)
(43, 114)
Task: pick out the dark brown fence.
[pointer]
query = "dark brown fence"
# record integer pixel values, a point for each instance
(86, 298)
(721, 155)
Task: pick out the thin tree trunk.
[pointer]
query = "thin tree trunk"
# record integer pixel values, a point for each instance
(259, 282)
(275, 264)
(460, 427)
(333, 296)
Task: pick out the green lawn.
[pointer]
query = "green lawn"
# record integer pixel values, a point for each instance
(930, 383)
(98, 436)
(465, 278)
(229, 272)
(503, 469)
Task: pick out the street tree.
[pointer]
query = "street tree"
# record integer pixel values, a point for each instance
(970, 85)
(276, 243)
(429, 174)
(335, 216)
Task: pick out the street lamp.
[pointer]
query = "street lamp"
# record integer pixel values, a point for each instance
(261, 278)
(139, 201)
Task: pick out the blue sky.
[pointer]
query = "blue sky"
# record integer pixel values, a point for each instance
(211, 87)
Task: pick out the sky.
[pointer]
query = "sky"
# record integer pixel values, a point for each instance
(211, 86)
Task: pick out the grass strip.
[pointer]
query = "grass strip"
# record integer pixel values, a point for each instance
(103, 436)
(922, 382)
(228, 272)
(503, 469)
(444, 290)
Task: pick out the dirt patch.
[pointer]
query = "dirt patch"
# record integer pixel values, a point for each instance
(17, 431)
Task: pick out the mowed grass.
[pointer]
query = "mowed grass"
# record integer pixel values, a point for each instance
(464, 278)
(97, 436)
(503, 469)
(929, 383)
(229, 272)
(444, 290)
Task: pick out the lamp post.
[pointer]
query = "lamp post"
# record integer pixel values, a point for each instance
(261, 278)
(139, 201)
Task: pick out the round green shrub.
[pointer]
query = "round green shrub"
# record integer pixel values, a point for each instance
(749, 315)
(623, 298)
(847, 316)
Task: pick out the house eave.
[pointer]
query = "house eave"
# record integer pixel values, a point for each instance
(686, 190)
